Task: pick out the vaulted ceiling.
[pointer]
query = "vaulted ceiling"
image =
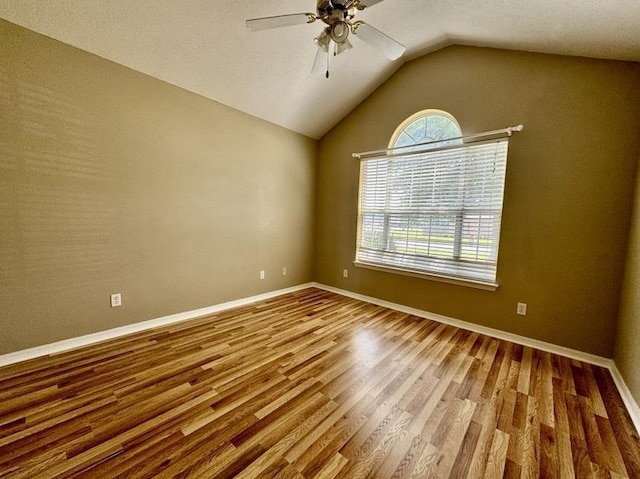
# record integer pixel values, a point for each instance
(204, 46)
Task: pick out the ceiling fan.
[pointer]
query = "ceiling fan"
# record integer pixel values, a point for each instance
(338, 16)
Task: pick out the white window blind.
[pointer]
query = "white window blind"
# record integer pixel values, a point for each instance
(435, 212)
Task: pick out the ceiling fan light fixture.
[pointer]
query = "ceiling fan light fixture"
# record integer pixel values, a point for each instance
(343, 46)
(323, 40)
(339, 31)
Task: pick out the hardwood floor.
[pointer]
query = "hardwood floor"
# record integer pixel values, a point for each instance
(312, 385)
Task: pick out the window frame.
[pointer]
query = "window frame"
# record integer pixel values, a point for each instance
(455, 261)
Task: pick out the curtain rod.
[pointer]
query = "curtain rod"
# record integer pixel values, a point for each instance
(393, 151)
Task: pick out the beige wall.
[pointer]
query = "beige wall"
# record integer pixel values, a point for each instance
(570, 178)
(111, 181)
(627, 353)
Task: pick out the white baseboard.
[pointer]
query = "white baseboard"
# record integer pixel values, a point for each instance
(629, 401)
(627, 397)
(93, 338)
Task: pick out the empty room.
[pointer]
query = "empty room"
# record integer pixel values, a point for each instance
(319, 239)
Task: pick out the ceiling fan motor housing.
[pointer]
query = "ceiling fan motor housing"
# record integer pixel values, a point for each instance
(332, 11)
(337, 14)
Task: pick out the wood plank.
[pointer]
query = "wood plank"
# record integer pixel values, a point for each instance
(459, 420)
(498, 455)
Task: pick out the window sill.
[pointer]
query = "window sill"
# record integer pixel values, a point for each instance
(429, 276)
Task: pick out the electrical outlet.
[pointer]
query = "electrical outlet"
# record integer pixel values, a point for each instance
(522, 309)
(284, 271)
(116, 300)
(262, 275)
(345, 273)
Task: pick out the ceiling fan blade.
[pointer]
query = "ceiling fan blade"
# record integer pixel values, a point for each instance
(374, 37)
(278, 21)
(368, 3)
(320, 63)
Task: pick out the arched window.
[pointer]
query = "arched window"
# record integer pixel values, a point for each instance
(425, 126)
(433, 204)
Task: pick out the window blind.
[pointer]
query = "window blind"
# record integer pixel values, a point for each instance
(436, 212)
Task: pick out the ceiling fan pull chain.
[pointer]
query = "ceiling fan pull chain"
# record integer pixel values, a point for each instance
(328, 57)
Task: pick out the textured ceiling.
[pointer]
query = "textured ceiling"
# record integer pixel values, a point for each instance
(204, 46)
